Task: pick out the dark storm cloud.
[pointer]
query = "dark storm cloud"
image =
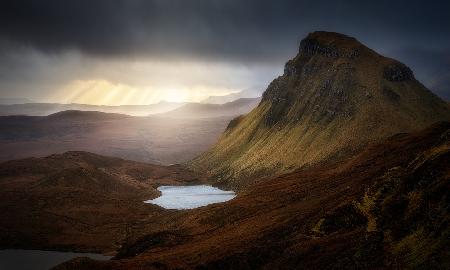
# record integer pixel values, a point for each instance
(252, 29)
(246, 31)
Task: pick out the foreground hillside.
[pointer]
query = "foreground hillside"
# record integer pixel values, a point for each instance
(334, 98)
(79, 201)
(386, 207)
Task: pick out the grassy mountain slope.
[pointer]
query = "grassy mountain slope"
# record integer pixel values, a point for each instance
(334, 98)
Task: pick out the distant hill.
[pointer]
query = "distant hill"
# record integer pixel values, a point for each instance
(74, 115)
(334, 98)
(253, 92)
(44, 109)
(200, 110)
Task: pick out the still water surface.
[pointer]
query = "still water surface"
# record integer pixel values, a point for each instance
(189, 197)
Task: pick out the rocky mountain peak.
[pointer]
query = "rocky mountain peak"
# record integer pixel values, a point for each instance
(331, 76)
(329, 44)
(334, 97)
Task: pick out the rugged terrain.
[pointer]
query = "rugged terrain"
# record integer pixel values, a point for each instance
(79, 201)
(386, 207)
(334, 98)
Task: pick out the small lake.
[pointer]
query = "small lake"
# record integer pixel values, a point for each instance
(19, 259)
(189, 197)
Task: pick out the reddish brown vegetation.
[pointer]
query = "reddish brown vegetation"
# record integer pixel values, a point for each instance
(79, 201)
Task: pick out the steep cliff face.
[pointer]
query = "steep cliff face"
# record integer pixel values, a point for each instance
(335, 97)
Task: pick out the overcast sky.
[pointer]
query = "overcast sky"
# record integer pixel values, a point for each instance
(138, 52)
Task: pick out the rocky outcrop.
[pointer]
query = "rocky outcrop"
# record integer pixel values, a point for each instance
(311, 46)
(398, 73)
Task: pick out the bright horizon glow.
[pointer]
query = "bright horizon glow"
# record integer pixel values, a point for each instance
(74, 78)
(103, 92)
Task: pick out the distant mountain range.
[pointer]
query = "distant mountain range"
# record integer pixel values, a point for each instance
(26, 107)
(334, 98)
(43, 109)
